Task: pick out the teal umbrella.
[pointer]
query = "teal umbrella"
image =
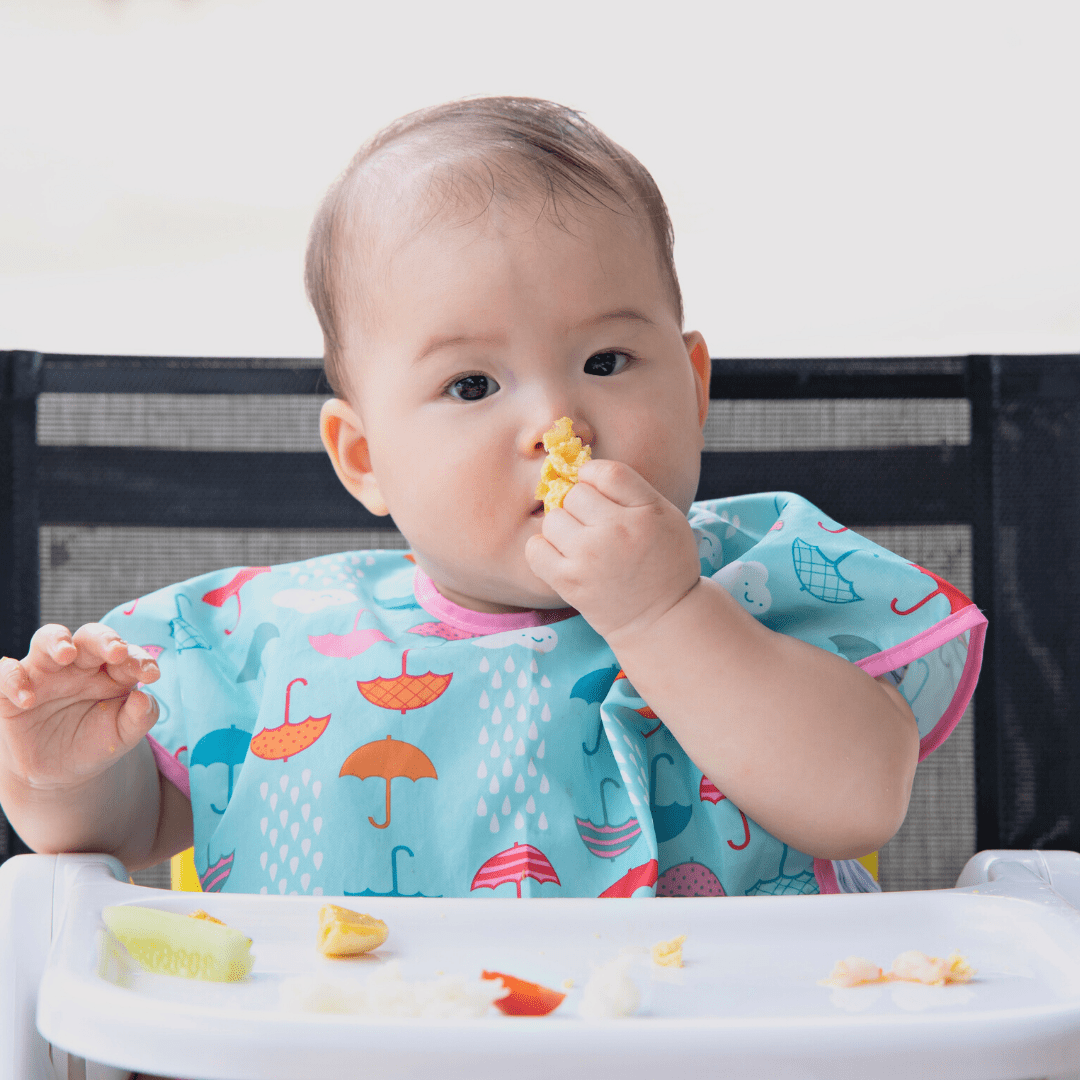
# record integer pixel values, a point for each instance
(223, 746)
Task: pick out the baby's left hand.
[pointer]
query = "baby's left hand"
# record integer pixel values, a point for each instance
(617, 551)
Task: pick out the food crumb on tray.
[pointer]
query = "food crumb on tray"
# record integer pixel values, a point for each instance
(669, 953)
(910, 966)
(610, 993)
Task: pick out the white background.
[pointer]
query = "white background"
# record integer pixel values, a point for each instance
(845, 178)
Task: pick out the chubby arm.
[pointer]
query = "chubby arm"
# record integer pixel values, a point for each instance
(810, 746)
(76, 773)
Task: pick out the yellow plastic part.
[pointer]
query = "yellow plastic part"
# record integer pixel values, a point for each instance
(871, 863)
(185, 878)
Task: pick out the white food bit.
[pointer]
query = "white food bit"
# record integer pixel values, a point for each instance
(610, 992)
(853, 971)
(387, 994)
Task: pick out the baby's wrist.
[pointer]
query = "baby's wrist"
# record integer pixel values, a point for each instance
(640, 631)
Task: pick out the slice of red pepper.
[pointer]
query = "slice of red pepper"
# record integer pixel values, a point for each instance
(525, 998)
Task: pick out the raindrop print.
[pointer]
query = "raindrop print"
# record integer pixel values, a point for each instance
(262, 891)
(263, 824)
(495, 751)
(305, 881)
(481, 808)
(523, 680)
(264, 787)
(534, 697)
(545, 787)
(507, 768)
(283, 817)
(509, 665)
(305, 776)
(294, 829)
(532, 767)
(273, 837)
(483, 735)
(273, 871)
(262, 860)
(273, 801)
(520, 748)
(484, 703)
(493, 787)
(317, 860)
(282, 885)
(522, 715)
(316, 788)
(519, 821)
(508, 701)
(482, 771)
(484, 664)
(294, 795)
(496, 680)
(494, 826)
(506, 806)
(305, 811)
(496, 717)
(542, 820)
(545, 713)
(545, 682)
(530, 806)
(284, 782)
(305, 847)
(532, 666)
(508, 733)
(294, 862)
(317, 825)
(533, 733)
(540, 749)
(519, 784)
(317, 891)
(283, 851)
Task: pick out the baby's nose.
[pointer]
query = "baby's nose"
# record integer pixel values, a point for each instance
(582, 429)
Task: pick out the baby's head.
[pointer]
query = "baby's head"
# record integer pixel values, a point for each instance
(481, 269)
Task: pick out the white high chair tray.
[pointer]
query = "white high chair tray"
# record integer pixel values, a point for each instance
(746, 1004)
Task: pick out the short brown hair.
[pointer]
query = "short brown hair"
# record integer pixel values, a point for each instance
(561, 154)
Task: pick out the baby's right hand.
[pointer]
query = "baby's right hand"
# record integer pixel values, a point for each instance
(69, 710)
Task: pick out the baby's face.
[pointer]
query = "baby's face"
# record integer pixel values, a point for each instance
(486, 333)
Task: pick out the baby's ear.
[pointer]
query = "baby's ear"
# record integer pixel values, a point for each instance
(698, 352)
(343, 436)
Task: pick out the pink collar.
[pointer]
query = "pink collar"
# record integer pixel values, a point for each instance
(480, 623)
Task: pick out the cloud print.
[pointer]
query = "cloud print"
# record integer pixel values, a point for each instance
(309, 600)
(541, 639)
(746, 582)
(709, 547)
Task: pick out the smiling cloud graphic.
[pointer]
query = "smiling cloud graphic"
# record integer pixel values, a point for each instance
(541, 639)
(746, 582)
(309, 600)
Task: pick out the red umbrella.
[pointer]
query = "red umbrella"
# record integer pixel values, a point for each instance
(634, 878)
(217, 597)
(708, 790)
(513, 864)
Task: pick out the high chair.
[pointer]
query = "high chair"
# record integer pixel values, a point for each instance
(119, 474)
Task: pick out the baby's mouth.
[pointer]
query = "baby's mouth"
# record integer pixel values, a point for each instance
(538, 510)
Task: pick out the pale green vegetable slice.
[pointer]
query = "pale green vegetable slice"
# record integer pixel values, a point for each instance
(169, 944)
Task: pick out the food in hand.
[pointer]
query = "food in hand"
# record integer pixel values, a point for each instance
(348, 933)
(911, 966)
(668, 953)
(166, 943)
(560, 470)
(524, 998)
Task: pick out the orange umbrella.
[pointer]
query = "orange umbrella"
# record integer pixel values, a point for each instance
(387, 758)
(405, 691)
(280, 743)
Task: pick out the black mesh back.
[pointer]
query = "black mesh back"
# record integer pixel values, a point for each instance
(121, 474)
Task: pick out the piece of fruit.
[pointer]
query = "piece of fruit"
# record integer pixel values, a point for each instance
(166, 943)
(343, 932)
(525, 998)
(668, 953)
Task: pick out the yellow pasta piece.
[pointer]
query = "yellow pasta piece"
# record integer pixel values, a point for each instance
(348, 933)
(668, 953)
(566, 455)
(198, 913)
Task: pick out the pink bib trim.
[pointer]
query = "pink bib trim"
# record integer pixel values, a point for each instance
(480, 623)
(170, 768)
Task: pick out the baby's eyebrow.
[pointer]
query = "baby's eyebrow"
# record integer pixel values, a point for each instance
(625, 314)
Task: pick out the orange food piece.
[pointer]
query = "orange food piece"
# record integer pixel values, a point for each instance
(344, 932)
(198, 913)
(525, 998)
(566, 455)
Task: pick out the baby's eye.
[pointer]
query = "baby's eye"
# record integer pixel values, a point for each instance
(606, 363)
(472, 387)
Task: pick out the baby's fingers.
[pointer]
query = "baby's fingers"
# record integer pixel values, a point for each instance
(15, 684)
(101, 645)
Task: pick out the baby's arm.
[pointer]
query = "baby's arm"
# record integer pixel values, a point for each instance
(76, 773)
(810, 746)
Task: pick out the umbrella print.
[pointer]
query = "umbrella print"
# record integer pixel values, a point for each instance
(956, 598)
(633, 879)
(264, 633)
(608, 841)
(854, 648)
(783, 884)
(818, 574)
(514, 864)
(348, 645)
(405, 691)
(388, 758)
(393, 873)
(689, 879)
(441, 629)
(217, 597)
(669, 820)
(599, 736)
(708, 791)
(594, 686)
(223, 746)
(184, 634)
(214, 878)
(286, 740)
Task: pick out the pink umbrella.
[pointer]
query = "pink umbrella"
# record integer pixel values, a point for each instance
(513, 864)
(707, 790)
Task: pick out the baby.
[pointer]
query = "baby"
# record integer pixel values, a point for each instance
(635, 694)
